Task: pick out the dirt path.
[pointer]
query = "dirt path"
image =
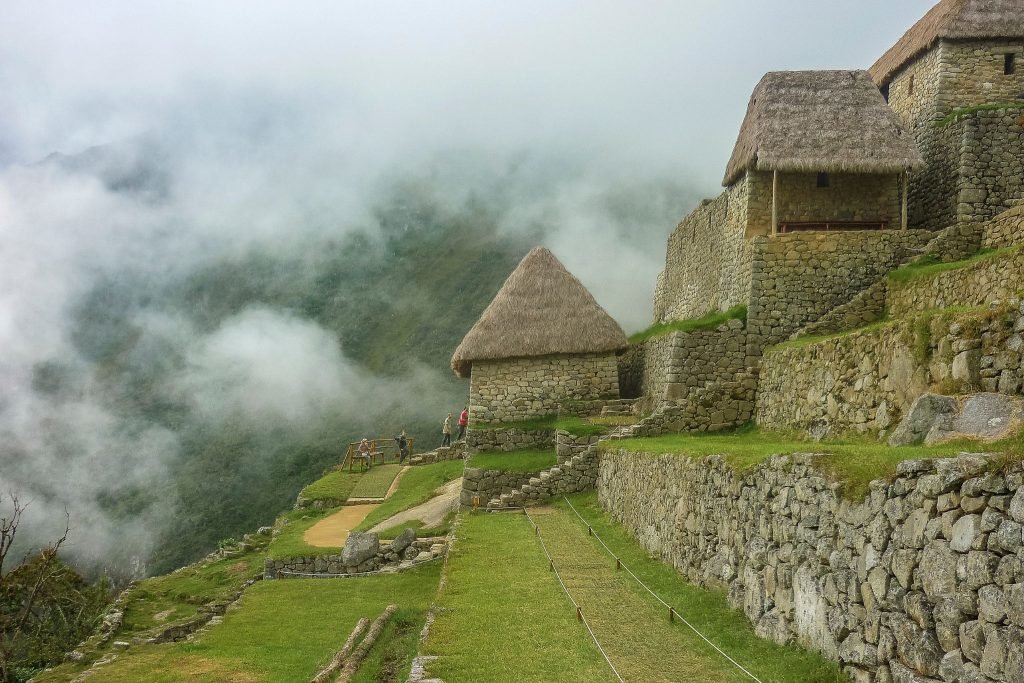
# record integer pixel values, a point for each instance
(634, 631)
(331, 532)
(432, 512)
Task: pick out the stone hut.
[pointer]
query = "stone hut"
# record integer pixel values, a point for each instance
(542, 341)
(820, 150)
(821, 161)
(943, 79)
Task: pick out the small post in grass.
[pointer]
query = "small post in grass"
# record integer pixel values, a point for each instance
(671, 615)
(590, 530)
(618, 564)
(579, 613)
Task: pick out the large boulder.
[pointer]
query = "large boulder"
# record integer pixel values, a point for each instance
(403, 540)
(925, 412)
(935, 419)
(359, 548)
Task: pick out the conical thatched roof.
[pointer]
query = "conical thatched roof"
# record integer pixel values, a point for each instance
(542, 309)
(831, 121)
(954, 20)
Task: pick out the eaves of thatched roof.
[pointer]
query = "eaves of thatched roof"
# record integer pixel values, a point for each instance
(541, 310)
(831, 121)
(951, 20)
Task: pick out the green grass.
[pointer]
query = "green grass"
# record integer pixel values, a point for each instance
(578, 426)
(289, 541)
(927, 265)
(287, 630)
(811, 339)
(708, 322)
(376, 482)
(416, 486)
(336, 485)
(527, 460)
(503, 616)
(707, 610)
(958, 114)
(852, 461)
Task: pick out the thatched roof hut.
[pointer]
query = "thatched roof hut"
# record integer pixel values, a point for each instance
(825, 121)
(541, 310)
(951, 20)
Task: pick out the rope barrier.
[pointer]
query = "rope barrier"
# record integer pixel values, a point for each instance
(579, 610)
(672, 612)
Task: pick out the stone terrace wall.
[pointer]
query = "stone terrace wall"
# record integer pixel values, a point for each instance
(864, 381)
(799, 277)
(997, 277)
(331, 565)
(508, 438)
(707, 262)
(489, 484)
(922, 580)
(567, 445)
(1005, 230)
(991, 162)
(674, 365)
(523, 388)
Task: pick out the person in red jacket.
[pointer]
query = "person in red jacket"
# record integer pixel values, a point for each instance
(463, 422)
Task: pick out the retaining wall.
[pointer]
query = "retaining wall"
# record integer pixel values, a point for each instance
(332, 565)
(865, 380)
(993, 277)
(922, 580)
(508, 438)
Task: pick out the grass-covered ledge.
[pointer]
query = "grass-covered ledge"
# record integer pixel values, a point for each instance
(852, 461)
(707, 322)
(928, 265)
(528, 460)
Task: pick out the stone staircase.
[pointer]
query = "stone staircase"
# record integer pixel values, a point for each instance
(620, 406)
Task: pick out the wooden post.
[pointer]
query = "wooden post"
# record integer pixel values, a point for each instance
(903, 215)
(775, 208)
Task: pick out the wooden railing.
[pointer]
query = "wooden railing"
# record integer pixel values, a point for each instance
(381, 449)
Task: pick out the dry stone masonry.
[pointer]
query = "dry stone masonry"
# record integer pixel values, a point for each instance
(523, 388)
(921, 581)
(363, 552)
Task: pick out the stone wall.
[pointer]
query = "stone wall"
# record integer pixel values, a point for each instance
(865, 380)
(1006, 229)
(579, 473)
(567, 445)
(457, 451)
(849, 197)
(509, 438)
(673, 365)
(490, 484)
(952, 75)
(799, 277)
(922, 580)
(523, 388)
(991, 163)
(384, 557)
(707, 261)
(990, 278)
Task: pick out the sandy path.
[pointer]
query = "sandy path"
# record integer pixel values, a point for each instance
(432, 512)
(331, 532)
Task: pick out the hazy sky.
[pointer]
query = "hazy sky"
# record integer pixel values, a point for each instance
(656, 84)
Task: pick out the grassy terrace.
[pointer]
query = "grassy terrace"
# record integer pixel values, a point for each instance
(335, 485)
(708, 322)
(375, 482)
(927, 266)
(293, 524)
(852, 461)
(528, 460)
(416, 486)
(286, 630)
(503, 616)
(707, 610)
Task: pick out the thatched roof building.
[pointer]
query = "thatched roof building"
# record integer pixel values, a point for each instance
(542, 309)
(825, 121)
(951, 20)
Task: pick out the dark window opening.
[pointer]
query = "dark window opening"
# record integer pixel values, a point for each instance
(1009, 64)
(885, 91)
(910, 86)
(824, 180)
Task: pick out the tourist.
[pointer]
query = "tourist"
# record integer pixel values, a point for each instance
(463, 422)
(364, 452)
(403, 447)
(446, 431)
